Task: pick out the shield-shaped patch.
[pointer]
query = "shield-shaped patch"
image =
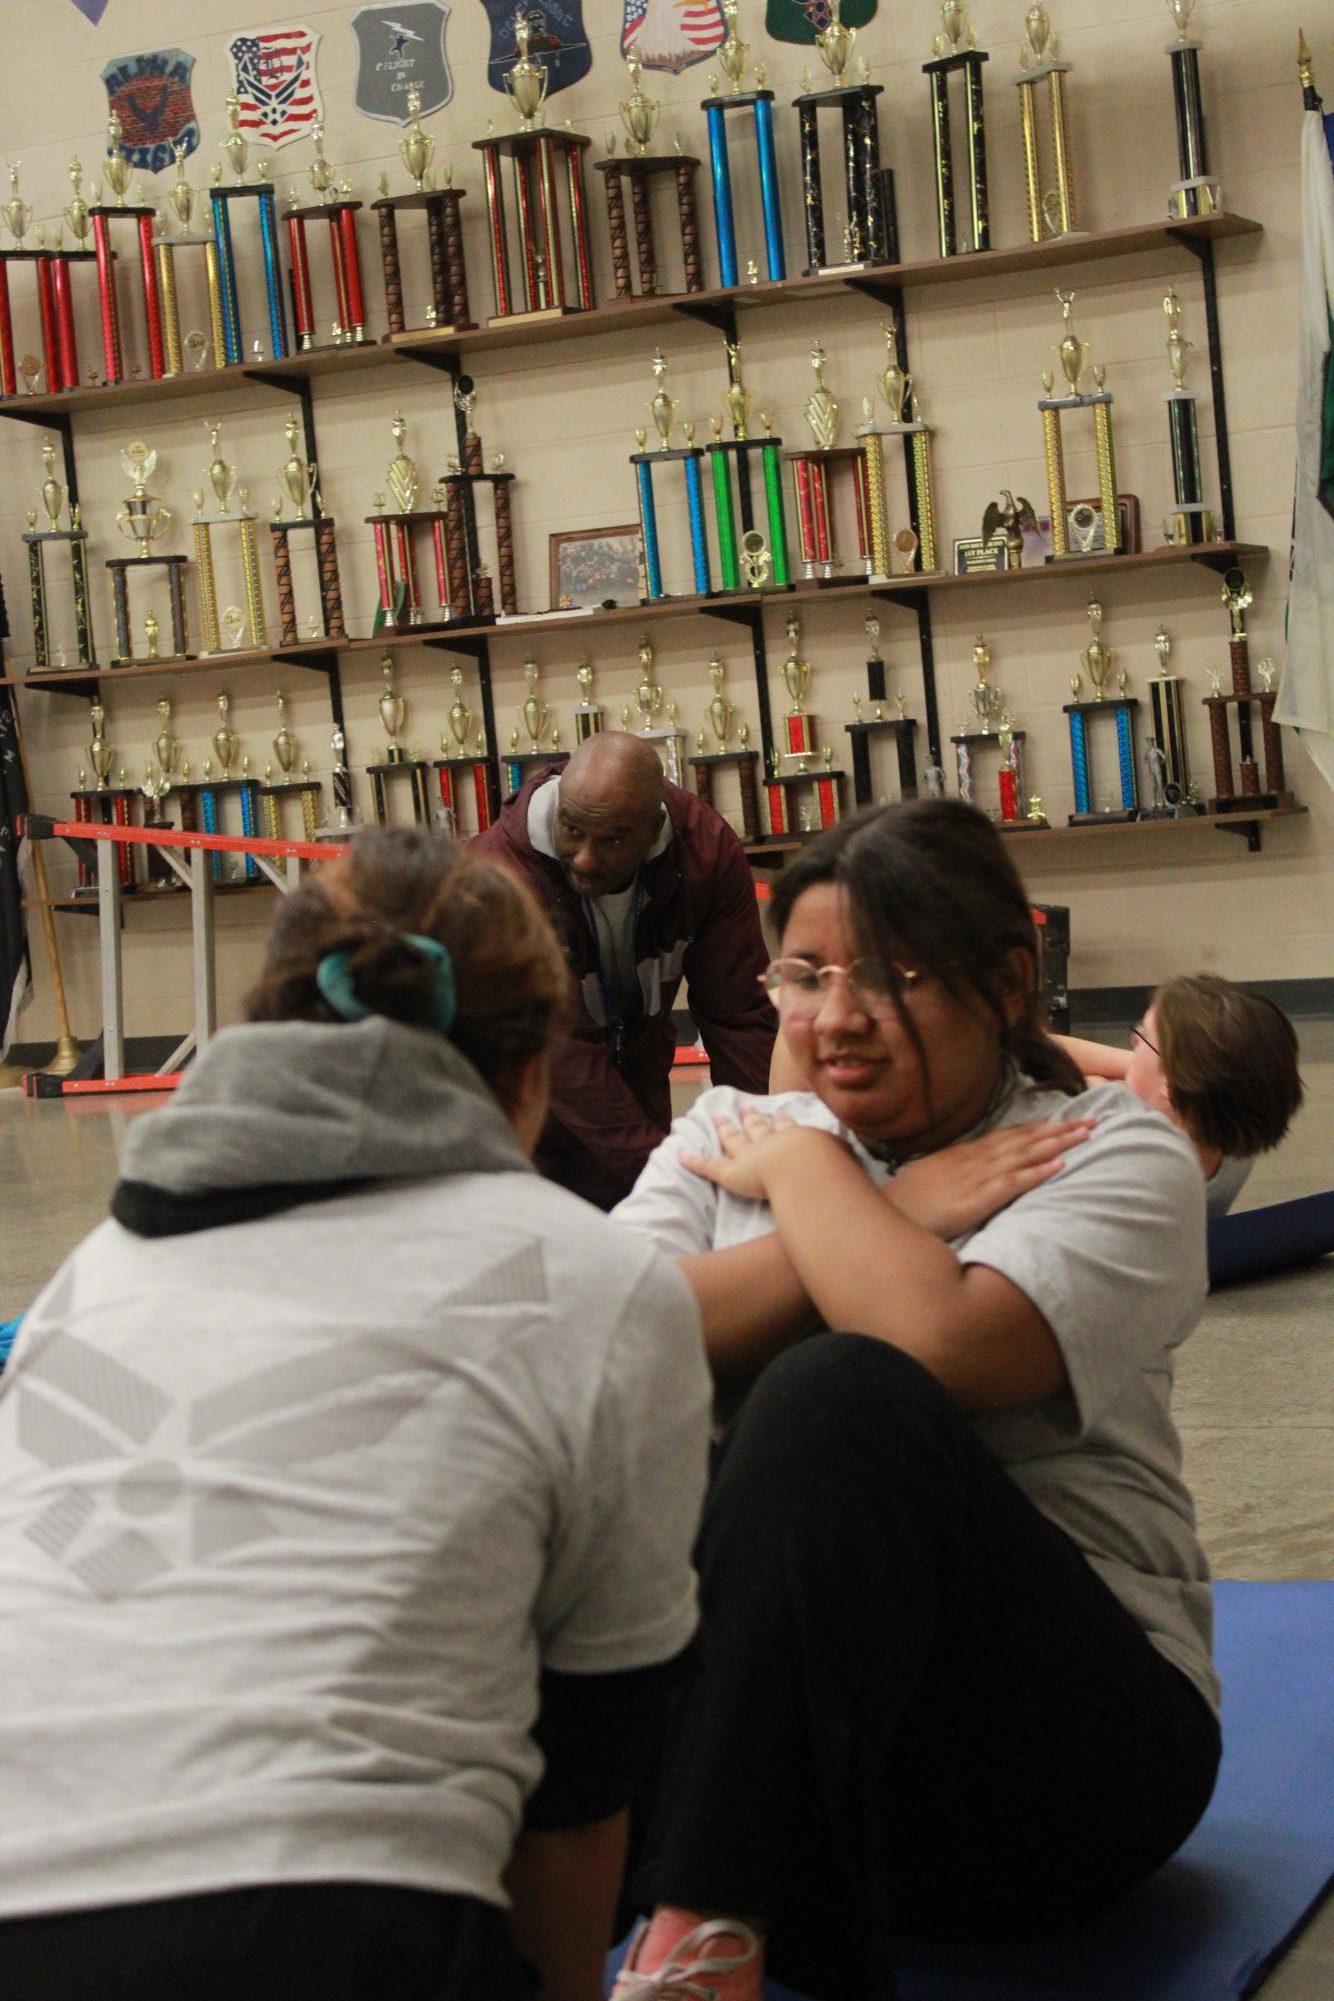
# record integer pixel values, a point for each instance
(150, 94)
(802, 20)
(399, 47)
(670, 35)
(274, 79)
(556, 37)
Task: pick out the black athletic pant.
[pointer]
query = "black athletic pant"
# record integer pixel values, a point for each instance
(916, 1709)
(288, 1942)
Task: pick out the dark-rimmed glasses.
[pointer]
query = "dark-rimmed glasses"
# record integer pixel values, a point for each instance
(1137, 1034)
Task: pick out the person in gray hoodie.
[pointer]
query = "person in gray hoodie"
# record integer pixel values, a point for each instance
(351, 1474)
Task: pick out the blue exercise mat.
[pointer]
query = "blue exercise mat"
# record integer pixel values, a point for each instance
(1211, 1925)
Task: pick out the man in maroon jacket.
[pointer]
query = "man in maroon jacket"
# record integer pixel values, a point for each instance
(645, 884)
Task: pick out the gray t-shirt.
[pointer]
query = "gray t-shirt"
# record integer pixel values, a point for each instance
(294, 1512)
(1112, 1253)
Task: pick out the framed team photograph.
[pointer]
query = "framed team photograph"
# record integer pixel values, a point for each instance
(596, 566)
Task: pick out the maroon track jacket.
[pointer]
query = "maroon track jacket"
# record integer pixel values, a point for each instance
(699, 918)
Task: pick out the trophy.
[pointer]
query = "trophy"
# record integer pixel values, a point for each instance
(275, 791)
(1195, 193)
(459, 758)
(788, 792)
(52, 266)
(1007, 519)
(990, 727)
(1190, 521)
(751, 560)
(588, 718)
(116, 171)
(104, 804)
(1237, 596)
(871, 231)
(449, 310)
(298, 481)
(535, 717)
(1051, 210)
(811, 469)
(36, 541)
(466, 589)
(639, 116)
(215, 796)
(1167, 706)
(393, 529)
(236, 151)
(1073, 355)
(662, 408)
(222, 481)
(337, 209)
(142, 518)
(398, 761)
(720, 716)
(1099, 662)
(548, 186)
(954, 50)
(732, 55)
(182, 197)
(918, 543)
(864, 729)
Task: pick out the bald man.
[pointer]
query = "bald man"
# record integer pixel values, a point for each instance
(645, 885)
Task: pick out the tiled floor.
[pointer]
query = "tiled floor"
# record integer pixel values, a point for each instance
(1255, 1393)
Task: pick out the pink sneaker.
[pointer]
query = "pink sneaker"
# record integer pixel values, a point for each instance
(720, 1959)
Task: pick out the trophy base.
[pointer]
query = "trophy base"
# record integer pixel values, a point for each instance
(418, 334)
(1023, 826)
(1118, 816)
(532, 317)
(1242, 803)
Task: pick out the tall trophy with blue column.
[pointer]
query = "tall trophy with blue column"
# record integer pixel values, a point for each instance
(1098, 660)
(236, 149)
(733, 56)
(663, 408)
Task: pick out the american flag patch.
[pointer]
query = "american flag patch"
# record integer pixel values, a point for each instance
(672, 34)
(274, 80)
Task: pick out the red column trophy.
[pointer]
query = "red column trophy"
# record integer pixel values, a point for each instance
(708, 765)
(116, 170)
(52, 266)
(300, 490)
(335, 207)
(789, 793)
(274, 793)
(812, 467)
(105, 804)
(395, 533)
(554, 262)
(641, 169)
(464, 768)
(448, 311)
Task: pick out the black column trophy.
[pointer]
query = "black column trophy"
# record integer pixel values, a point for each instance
(1237, 595)
(222, 482)
(750, 559)
(1190, 520)
(662, 408)
(236, 148)
(708, 765)
(917, 543)
(862, 732)
(550, 212)
(182, 196)
(274, 793)
(76, 539)
(642, 169)
(871, 229)
(1196, 193)
(105, 804)
(1082, 521)
(954, 52)
(142, 519)
(732, 56)
(334, 206)
(463, 766)
(300, 490)
(448, 311)
(536, 718)
(1098, 660)
(1166, 755)
(1051, 209)
(398, 762)
(788, 794)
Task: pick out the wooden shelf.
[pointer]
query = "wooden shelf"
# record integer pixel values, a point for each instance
(715, 308)
(319, 654)
(1240, 822)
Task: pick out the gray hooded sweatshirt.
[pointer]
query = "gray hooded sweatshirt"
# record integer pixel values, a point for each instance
(314, 1461)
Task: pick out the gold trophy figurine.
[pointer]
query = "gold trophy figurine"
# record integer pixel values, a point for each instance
(460, 715)
(235, 147)
(141, 517)
(648, 695)
(77, 213)
(166, 747)
(737, 399)
(416, 149)
(534, 712)
(821, 406)
(527, 81)
(221, 476)
(1072, 353)
(393, 712)
(795, 671)
(404, 480)
(640, 114)
(17, 212)
(662, 407)
(101, 754)
(1009, 517)
(116, 168)
(284, 743)
(225, 740)
(835, 43)
(182, 194)
(734, 53)
(1098, 658)
(298, 477)
(986, 699)
(720, 713)
(956, 30)
(894, 385)
(53, 493)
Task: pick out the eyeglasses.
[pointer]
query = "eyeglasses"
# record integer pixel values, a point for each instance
(1138, 1034)
(797, 988)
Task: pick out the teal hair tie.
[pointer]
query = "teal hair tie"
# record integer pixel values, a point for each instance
(333, 977)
